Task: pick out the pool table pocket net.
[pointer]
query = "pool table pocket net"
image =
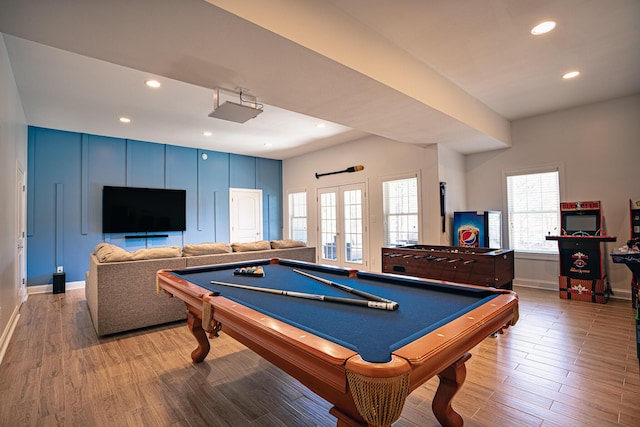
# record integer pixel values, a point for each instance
(379, 400)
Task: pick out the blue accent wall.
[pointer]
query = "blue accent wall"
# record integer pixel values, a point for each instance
(145, 164)
(269, 175)
(238, 178)
(66, 174)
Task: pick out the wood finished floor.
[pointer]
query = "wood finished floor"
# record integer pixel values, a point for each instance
(564, 364)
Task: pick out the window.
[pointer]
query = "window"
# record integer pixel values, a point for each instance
(298, 216)
(400, 199)
(533, 205)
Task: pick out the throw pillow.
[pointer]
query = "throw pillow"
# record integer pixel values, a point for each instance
(206, 249)
(106, 252)
(261, 245)
(155, 253)
(284, 244)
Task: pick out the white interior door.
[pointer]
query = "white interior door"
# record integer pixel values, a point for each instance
(245, 215)
(21, 274)
(342, 231)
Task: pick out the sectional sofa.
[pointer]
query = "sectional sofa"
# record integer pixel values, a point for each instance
(121, 285)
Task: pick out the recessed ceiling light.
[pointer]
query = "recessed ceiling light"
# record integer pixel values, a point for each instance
(207, 133)
(571, 75)
(543, 28)
(152, 83)
(321, 125)
(125, 119)
(268, 144)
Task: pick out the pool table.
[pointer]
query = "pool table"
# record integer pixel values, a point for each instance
(364, 361)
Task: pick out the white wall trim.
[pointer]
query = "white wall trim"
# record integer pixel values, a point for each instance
(554, 286)
(622, 294)
(538, 256)
(8, 332)
(47, 289)
(536, 284)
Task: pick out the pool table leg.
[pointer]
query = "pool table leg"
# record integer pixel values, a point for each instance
(344, 420)
(195, 326)
(451, 379)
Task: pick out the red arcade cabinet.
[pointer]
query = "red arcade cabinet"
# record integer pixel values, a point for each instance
(582, 276)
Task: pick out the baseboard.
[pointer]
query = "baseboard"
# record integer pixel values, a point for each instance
(8, 332)
(536, 284)
(47, 289)
(621, 294)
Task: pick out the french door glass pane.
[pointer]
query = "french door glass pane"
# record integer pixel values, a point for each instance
(353, 225)
(328, 225)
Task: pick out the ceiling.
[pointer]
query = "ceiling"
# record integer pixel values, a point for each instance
(416, 71)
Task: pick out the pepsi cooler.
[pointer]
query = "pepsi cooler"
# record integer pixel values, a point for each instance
(477, 229)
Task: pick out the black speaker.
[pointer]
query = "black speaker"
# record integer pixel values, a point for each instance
(58, 283)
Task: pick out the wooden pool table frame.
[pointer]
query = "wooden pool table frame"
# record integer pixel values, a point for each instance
(323, 366)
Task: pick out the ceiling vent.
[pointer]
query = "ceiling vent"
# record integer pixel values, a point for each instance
(234, 111)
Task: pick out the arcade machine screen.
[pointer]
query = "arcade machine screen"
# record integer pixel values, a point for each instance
(581, 224)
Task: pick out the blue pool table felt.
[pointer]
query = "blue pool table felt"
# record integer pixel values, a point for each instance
(374, 334)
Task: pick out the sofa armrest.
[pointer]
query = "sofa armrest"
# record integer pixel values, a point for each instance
(122, 295)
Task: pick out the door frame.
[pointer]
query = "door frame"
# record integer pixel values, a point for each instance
(21, 237)
(234, 218)
(340, 232)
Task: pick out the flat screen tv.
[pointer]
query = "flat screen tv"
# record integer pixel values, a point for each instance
(132, 209)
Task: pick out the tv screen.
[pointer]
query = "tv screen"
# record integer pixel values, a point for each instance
(131, 209)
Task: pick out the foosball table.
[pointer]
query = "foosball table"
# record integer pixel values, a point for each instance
(475, 266)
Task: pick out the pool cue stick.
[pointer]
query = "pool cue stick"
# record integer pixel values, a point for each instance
(346, 288)
(371, 304)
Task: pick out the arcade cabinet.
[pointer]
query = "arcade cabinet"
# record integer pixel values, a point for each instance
(630, 253)
(582, 273)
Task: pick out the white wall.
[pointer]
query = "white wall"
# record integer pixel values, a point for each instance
(599, 147)
(451, 166)
(13, 155)
(382, 159)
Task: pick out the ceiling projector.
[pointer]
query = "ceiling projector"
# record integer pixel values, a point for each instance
(233, 111)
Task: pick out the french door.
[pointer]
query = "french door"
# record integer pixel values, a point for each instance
(342, 232)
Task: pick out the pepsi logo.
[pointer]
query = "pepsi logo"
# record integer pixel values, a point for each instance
(468, 237)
